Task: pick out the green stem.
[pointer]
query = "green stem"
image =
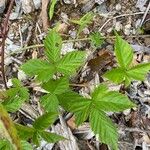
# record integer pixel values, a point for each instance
(72, 40)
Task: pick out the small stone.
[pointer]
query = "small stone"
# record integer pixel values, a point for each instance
(99, 1)
(63, 28)
(86, 31)
(127, 29)
(118, 26)
(126, 112)
(9, 83)
(118, 7)
(37, 3)
(68, 1)
(64, 17)
(73, 34)
(21, 75)
(109, 30)
(137, 23)
(8, 61)
(2, 6)
(27, 6)
(67, 47)
(88, 6)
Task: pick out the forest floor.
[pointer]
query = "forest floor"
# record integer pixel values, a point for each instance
(28, 24)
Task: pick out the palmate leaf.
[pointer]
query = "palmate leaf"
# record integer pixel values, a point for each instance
(16, 96)
(53, 44)
(77, 104)
(73, 102)
(111, 100)
(123, 52)
(84, 21)
(24, 132)
(50, 137)
(96, 39)
(26, 146)
(103, 127)
(57, 86)
(41, 68)
(82, 115)
(50, 102)
(139, 72)
(70, 62)
(5, 145)
(117, 75)
(45, 121)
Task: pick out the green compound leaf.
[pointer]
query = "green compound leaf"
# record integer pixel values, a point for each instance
(139, 72)
(70, 62)
(117, 75)
(53, 45)
(103, 127)
(41, 68)
(110, 100)
(73, 102)
(51, 9)
(84, 21)
(5, 145)
(57, 86)
(96, 39)
(124, 52)
(45, 121)
(50, 137)
(26, 146)
(50, 102)
(25, 132)
(16, 96)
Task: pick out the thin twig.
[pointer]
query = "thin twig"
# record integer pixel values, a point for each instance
(4, 35)
(145, 14)
(72, 40)
(123, 15)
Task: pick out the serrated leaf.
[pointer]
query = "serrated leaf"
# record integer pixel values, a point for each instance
(24, 132)
(117, 75)
(5, 145)
(51, 9)
(110, 100)
(70, 62)
(51, 137)
(73, 102)
(102, 126)
(26, 146)
(41, 68)
(16, 83)
(82, 115)
(53, 45)
(45, 121)
(123, 52)
(139, 72)
(16, 97)
(36, 138)
(96, 39)
(84, 21)
(100, 91)
(50, 102)
(57, 86)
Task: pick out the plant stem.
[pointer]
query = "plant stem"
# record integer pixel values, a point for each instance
(72, 40)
